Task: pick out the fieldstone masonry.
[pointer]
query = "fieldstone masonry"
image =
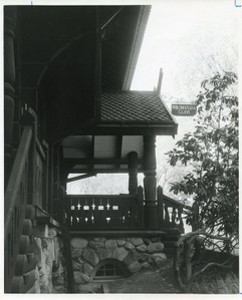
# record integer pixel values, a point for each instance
(50, 273)
(134, 252)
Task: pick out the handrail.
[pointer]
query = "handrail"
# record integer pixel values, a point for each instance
(176, 202)
(170, 211)
(91, 196)
(15, 177)
(15, 202)
(40, 148)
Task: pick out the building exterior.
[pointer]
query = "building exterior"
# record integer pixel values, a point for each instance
(68, 109)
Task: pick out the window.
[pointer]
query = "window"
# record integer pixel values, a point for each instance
(109, 270)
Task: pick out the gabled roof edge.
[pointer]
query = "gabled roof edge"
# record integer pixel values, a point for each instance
(137, 42)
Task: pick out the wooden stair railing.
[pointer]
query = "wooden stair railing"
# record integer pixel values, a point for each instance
(16, 199)
(170, 211)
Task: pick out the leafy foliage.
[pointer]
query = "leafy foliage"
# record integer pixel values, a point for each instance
(212, 150)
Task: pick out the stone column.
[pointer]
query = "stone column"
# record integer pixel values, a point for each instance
(133, 172)
(151, 208)
(9, 80)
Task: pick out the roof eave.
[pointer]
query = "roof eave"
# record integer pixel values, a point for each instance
(136, 129)
(136, 46)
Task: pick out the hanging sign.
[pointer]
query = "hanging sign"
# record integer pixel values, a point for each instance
(183, 109)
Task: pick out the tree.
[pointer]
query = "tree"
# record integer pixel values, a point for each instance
(212, 151)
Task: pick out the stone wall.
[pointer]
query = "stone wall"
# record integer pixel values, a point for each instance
(50, 273)
(134, 252)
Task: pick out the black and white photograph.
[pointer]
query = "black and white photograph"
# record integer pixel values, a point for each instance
(120, 132)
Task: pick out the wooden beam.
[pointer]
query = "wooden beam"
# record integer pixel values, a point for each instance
(97, 161)
(111, 17)
(89, 128)
(80, 177)
(102, 171)
(118, 151)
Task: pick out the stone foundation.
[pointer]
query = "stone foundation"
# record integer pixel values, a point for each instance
(134, 253)
(50, 274)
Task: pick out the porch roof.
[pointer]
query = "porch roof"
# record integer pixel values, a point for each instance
(134, 107)
(125, 117)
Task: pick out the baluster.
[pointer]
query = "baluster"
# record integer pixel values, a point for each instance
(85, 212)
(167, 215)
(108, 205)
(160, 206)
(94, 212)
(106, 212)
(100, 216)
(92, 219)
(173, 217)
(181, 225)
(140, 208)
(79, 205)
(93, 204)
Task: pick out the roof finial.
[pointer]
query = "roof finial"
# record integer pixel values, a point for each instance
(160, 81)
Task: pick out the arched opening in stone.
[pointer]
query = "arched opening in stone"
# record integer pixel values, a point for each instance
(109, 270)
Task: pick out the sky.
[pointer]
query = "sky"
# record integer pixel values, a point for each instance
(190, 41)
(183, 37)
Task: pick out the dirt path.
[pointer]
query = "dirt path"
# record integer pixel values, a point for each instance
(149, 281)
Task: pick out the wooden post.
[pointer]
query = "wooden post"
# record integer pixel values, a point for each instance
(160, 206)
(140, 208)
(133, 172)
(9, 81)
(151, 208)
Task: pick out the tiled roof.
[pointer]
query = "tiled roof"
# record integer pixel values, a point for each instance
(134, 107)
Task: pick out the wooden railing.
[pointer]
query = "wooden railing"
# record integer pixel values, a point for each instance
(104, 211)
(87, 212)
(170, 211)
(16, 198)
